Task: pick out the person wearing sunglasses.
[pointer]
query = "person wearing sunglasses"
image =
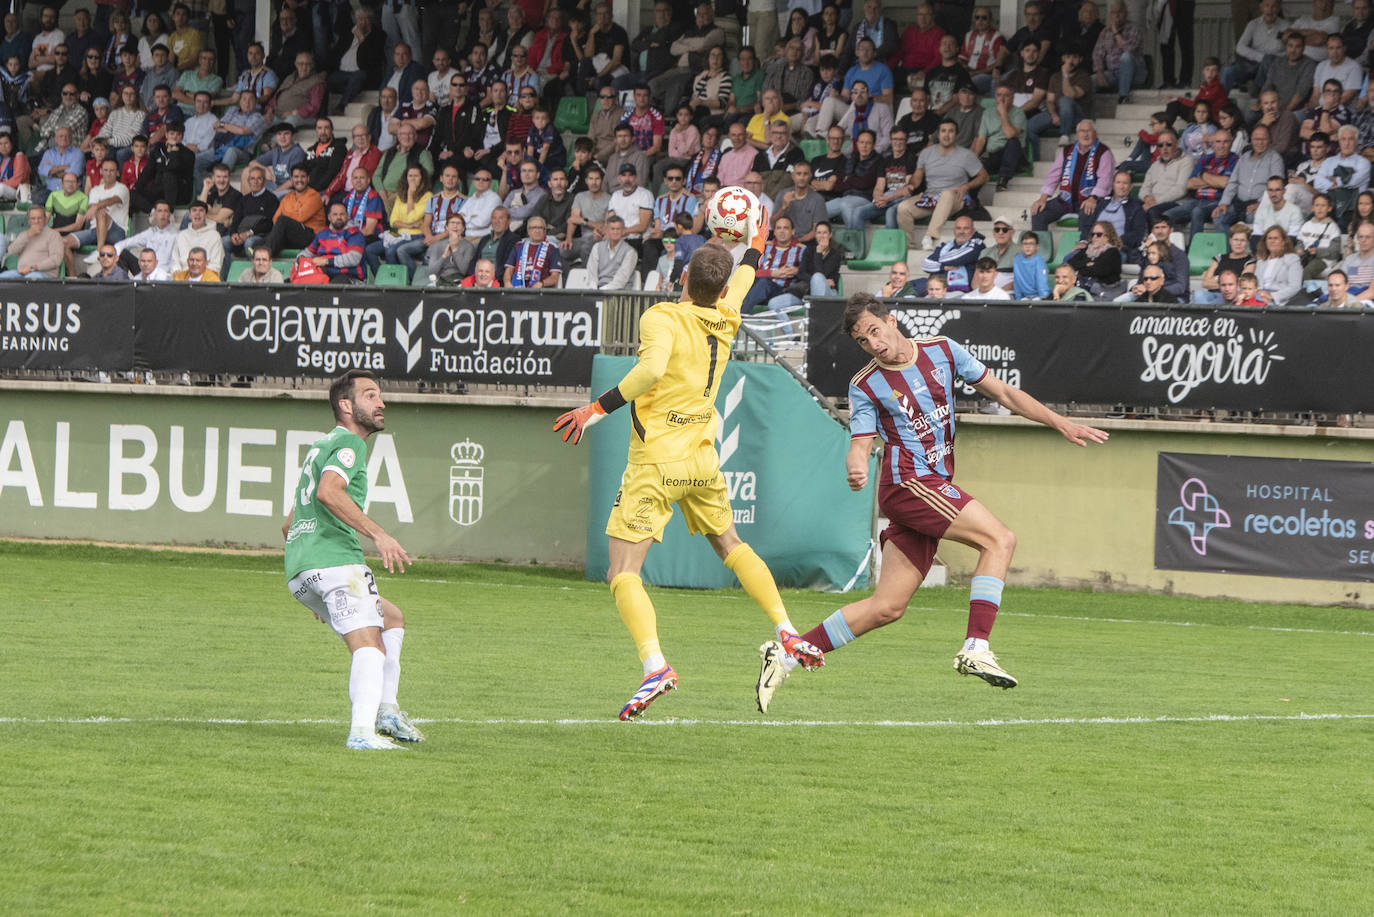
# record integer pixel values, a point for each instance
(1098, 262)
(984, 50)
(69, 114)
(109, 266)
(1150, 288)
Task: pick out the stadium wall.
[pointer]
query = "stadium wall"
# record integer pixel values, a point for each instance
(1086, 517)
(467, 478)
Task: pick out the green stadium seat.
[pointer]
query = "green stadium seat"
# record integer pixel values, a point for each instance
(1201, 250)
(18, 222)
(852, 239)
(11, 262)
(572, 115)
(291, 253)
(392, 275)
(284, 266)
(812, 147)
(889, 247)
(1046, 244)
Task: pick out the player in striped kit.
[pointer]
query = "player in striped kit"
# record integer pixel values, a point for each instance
(906, 395)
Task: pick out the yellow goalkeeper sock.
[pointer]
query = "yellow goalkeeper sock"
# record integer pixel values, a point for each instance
(757, 580)
(637, 611)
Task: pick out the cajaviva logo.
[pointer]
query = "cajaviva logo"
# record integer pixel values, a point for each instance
(1198, 513)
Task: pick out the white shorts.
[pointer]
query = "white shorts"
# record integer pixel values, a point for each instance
(344, 597)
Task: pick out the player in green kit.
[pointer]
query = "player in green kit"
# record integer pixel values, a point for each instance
(325, 569)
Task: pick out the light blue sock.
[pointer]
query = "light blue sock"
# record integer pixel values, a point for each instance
(837, 630)
(986, 589)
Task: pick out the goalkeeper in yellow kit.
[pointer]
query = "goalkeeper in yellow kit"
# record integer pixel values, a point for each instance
(671, 392)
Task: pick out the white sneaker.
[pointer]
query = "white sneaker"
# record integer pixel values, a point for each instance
(931, 243)
(372, 742)
(396, 724)
(1065, 140)
(983, 664)
(772, 673)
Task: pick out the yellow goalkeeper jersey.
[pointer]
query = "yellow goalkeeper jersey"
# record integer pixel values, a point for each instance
(685, 348)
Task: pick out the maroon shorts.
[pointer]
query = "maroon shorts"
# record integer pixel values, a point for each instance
(919, 511)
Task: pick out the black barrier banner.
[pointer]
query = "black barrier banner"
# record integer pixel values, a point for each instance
(1304, 518)
(51, 325)
(546, 338)
(1243, 359)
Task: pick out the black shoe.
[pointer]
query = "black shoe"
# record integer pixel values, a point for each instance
(1002, 184)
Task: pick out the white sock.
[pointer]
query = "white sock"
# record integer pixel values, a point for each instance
(653, 664)
(365, 689)
(789, 662)
(786, 625)
(975, 645)
(391, 668)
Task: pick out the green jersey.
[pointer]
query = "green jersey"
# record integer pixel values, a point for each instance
(317, 539)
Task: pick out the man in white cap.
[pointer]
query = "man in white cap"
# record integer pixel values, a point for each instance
(1003, 249)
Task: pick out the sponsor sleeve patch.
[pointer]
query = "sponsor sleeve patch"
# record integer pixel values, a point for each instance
(346, 457)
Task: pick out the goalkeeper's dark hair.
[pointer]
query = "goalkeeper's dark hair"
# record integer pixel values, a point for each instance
(707, 274)
(860, 303)
(341, 389)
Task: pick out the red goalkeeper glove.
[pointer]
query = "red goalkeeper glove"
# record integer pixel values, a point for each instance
(760, 232)
(574, 423)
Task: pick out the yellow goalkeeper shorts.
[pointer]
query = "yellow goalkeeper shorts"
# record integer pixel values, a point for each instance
(644, 503)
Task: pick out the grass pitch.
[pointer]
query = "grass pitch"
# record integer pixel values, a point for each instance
(1161, 754)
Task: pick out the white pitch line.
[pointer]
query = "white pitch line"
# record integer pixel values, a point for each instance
(671, 721)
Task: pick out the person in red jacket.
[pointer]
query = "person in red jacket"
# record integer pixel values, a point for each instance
(483, 274)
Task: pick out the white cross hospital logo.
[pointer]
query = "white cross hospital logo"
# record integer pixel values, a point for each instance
(404, 332)
(465, 483)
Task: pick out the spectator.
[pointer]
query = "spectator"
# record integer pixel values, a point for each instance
(496, 127)
(197, 269)
(481, 76)
(109, 269)
(107, 213)
(820, 268)
(1032, 275)
(497, 244)
(361, 56)
(199, 233)
(299, 216)
(161, 115)
(746, 86)
(451, 259)
(921, 124)
(395, 162)
(1117, 60)
(326, 156)
(665, 210)
(946, 78)
(433, 232)
(257, 81)
(769, 113)
(544, 143)
(790, 76)
(553, 56)
(67, 213)
(1000, 144)
(366, 210)
(1278, 269)
(738, 161)
(611, 261)
(856, 188)
(420, 112)
(14, 171)
(223, 207)
(70, 115)
(99, 153)
(521, 200)
(826, 87)
(300, 97)
(1068, 90)
(1328, 115)
(1261, 41)
(1238, 259)
(604, 52)
(634, 205)
(1036, 33)
(967, 114)
(169, 173)
(1359, 264)
(1066, 288)
(162, 73)
(952, 175)
(1319, 239)
(1291, 74)
(554, 208)
(483, 275)
(124, 124)
(867, 113)
(238, 132)
(520, 75)
(1125, 213)
(649, 52)
(1078, 181)
(803, 205)
(481, 204)
(899, 283)
(439, 79)
(1346, 173)
(39, 249)
(1166, 181)
(587, 220)
(775, 161)
(1029, 83)
(534, 263)
(407, 220)
(58, 161)
(1003, 250)
(338, 248)
(984, 284)
(288, 44)
(831, 37)
(199, 136)
(882, 32)
(684, 143)
(1339, 297)
(260, 269)
(202, 79)
(1151, 289)
(1098, 262)
(1301, 181)
(955, 259)
(154, 36)
(93, 81)
(128, 73)
(1082, 33)
(690, 51)
(50, 83)
(379, 119)
(646, 124)
(15, 42)
(984, 50)
(779, 266)
(183, 40)
(706, 163)
(457, 129)
(601, 128)
(158, 238)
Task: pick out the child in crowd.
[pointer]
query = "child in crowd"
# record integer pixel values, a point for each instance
(1249, 291)
(1146, 149)
(1211, 91)
(1030, 273)
(544, 143)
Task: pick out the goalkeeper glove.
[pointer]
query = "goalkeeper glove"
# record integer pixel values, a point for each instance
(574, 423)
(760, 231)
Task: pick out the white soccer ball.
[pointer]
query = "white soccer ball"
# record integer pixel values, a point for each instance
(732, 214)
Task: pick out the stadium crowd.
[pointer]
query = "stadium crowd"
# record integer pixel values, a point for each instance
(534, 143)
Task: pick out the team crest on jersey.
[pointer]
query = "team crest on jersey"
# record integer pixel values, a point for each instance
(950, 491)
(939, 374)
(347, 457)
